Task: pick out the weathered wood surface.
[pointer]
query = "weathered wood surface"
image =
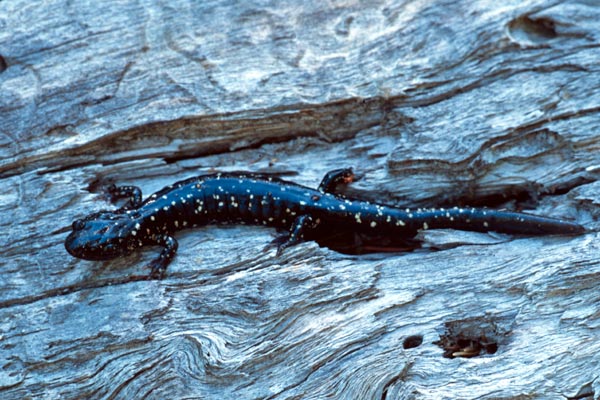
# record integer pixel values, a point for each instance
(433, 102)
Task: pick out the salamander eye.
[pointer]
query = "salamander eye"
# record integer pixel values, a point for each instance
(78, 225)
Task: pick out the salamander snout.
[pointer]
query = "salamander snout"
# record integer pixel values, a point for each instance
(103, 236)
(78, 224)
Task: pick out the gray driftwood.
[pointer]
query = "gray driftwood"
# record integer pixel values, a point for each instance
(432, 102)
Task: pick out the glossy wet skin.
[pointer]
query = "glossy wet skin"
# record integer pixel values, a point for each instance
(264, 200)
(103, 236)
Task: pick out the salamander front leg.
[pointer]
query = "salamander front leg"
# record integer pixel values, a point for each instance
(133, 194)
(334, 178)
(158, 266)
(297, 231)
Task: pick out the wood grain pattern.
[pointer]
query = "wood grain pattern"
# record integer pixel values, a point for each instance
(434, 103)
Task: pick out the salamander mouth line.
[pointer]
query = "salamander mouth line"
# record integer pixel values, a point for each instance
(61, 230)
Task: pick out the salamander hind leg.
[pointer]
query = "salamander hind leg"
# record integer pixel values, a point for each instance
(159, 265)
(334, 178)
(297, 231)
(133, 194)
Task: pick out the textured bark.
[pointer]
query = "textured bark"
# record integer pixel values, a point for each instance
(434, 103)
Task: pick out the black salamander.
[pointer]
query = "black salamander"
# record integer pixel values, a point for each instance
(264, 200)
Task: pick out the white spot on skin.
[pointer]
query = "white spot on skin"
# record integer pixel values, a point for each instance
(357, 217)
(342, 207)
(373, 224)
(137, 226)
(400, 223)
(152, 218)
(165, 208)
(425, 226)
(485, 224)
(133, 233)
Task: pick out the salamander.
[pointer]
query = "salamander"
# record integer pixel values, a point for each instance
(267, 200)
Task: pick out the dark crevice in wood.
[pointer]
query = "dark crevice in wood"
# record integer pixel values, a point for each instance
(66, 290)
(186, 155)
(585, 392)
(472, 337)
(148, 367)
(467, 346)
(400, 377)
(524, 197)
(215, 134)
(536, 30)
(412, 341)
(3, 64)
(478, 83)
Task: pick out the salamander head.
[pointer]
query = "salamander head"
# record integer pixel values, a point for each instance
(103, 235)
